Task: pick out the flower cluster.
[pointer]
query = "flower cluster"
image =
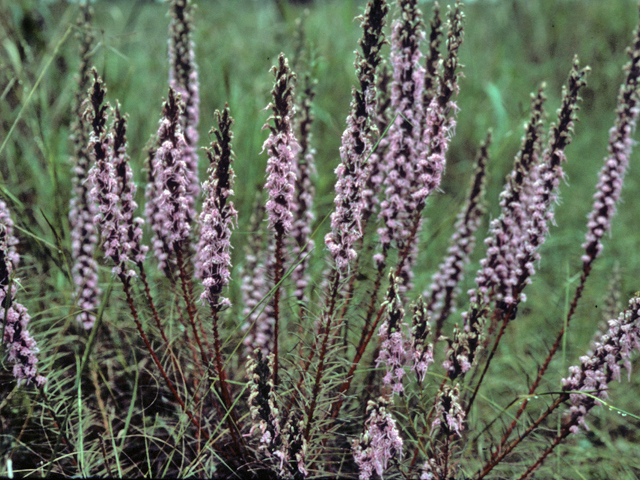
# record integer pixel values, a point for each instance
(379, 443)
(404, 134)
(508, 231)
(183, 78)
(422, 352)
(449, 415)
(264, 412)
(395, 351)
(169, 214)
(346, 220)
(113, 189)
(615, 166)
(19, 344)
(589, 381)
(282, 147)
(82, 210)
(213, 258)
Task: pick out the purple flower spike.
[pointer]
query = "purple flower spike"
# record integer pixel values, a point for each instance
(113, 192)
(352, 172)
(508, 231)
(449, 415)
(282, 148)
(545, 189)
(132, 227)
(380, 441)
(404, 134)
(171, 222)
(183, 78)
(213, 258)
(84, 238)
(20, 346)
(422, 351)
(599, 367)
(444, 288)
(613, 171)
(395, 350)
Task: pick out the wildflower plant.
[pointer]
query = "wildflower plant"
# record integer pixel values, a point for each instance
(195, 341)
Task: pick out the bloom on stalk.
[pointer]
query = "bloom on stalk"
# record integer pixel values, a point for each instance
(379, 442)
(395, 351)
(170, 210)
(351, 173)
(599, 367)
(404, 133)
(508, 232)
(449, 414)
(613, 171)
(82, 211)
(282, 147)
(421, 351)
(183, 78)
(213, 258)
(113, 192)
(19, 345)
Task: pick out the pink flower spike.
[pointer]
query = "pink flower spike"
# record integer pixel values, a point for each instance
(615, 164)
(17, 341)
(602, 365)
(379, 443)
(218, 217)
(282, 147)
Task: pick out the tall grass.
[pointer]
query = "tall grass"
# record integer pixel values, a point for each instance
(299, 336)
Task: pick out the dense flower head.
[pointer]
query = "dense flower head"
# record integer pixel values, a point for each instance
(545, 189)
(84, 238)
(293, 452)
(264, 412)
(8, 241)
(132, 231)
(113, 192)
(18, 343)
(213, 257)
(444, 287)
(602, 365)
(508, 232)
(169, 167)
(380, 441)
(282, 147)
(449, 414)
(183, 78)
(405, 133)
(356, 147)
(615, 166)
(422, 351)
(395, 349)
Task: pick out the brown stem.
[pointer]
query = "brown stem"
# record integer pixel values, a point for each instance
(534, 386)
(354, 364)
(156, 318)
(224, 387)
(563, 434)
(495, 461)
(276, 305)
(156, 360)
(323, 354)
(191, 310)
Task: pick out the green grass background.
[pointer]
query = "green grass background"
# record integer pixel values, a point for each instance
(510, 48)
